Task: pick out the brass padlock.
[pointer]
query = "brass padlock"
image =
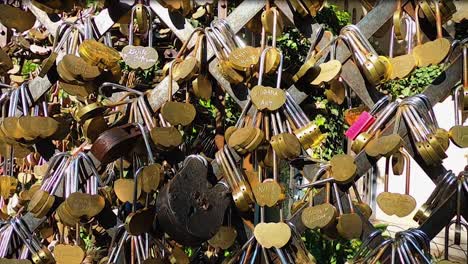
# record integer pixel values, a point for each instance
(375, 68)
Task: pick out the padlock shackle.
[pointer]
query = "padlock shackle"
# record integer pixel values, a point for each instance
(119, 87)
(149, 23)
(261, 69)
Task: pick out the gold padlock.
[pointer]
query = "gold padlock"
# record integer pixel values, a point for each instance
(309, 135)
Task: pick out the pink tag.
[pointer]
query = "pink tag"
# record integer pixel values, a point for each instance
(362, 123)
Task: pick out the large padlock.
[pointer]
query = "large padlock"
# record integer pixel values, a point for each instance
(189, 208)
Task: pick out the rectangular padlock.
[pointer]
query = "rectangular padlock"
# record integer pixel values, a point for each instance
(362, 124)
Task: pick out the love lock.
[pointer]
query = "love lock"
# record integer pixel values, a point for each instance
(138, 57)
(189, 208)
(397, 204)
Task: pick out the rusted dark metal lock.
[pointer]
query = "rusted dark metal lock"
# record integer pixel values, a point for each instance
(110, 145)
(189, 208)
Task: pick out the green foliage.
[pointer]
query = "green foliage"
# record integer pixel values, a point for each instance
(189, 251)
(330, 251)
(330, 120)
(294, 46)
(413, 84)
(208, 106)
(88, 239)
(333, 19)
(29, 67)
(232, 111)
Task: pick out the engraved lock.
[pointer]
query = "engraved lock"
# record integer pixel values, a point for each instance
(376, 68)
(266, 98)
(137, 57)
(319, 215)
(397, 204)
(240, 56)
(404, 64)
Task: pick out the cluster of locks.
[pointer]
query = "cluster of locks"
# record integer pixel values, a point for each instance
(100, 166)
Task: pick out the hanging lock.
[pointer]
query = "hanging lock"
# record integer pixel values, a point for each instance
(48, 63)
(306, 131)
(138, 57)
(226, 70)
(366, 119)
(187, 65)
(240, 56)
(439, 193)
(375, 68)
(458, 133)
(363, 138)
(240, 187)
(397, 204)
(349, 225)
(402, 65)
